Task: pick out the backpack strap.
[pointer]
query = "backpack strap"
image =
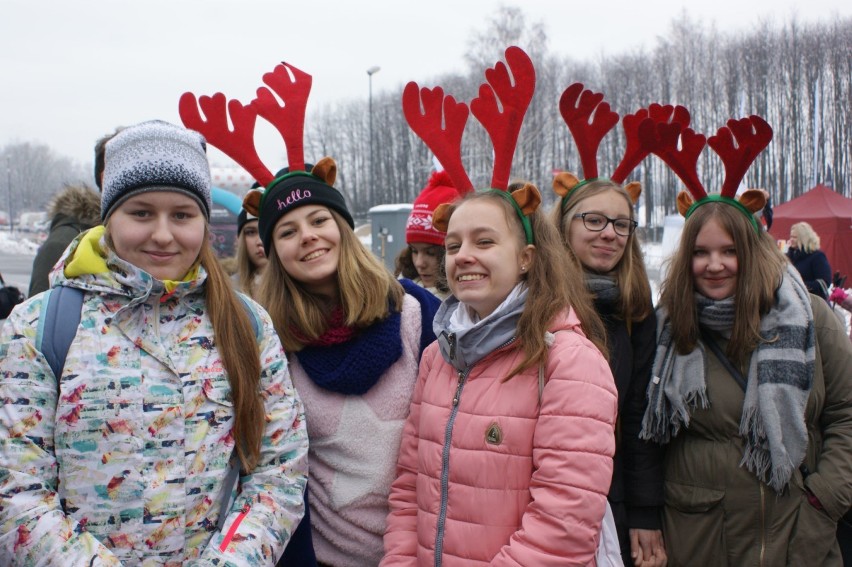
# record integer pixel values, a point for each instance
(57, 325)
(710, 342)
(252, 315)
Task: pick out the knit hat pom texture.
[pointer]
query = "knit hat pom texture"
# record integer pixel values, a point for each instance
(155, 156)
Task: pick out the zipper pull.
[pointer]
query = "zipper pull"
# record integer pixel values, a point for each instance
(451, 339)
(458, 389)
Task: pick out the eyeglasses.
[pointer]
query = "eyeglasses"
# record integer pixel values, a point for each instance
(597, 222)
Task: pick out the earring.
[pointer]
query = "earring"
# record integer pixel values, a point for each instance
(523, 268)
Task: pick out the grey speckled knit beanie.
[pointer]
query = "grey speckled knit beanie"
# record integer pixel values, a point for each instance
(155, 156)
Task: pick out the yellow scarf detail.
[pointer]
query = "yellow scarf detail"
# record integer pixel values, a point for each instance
(89, 258)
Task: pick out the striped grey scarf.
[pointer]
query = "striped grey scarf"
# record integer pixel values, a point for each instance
(779, 381)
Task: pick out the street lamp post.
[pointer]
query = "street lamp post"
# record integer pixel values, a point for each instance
(9, 185)
(370, 72)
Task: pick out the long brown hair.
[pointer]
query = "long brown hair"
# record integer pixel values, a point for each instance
(547, 295)
(630, 275)
(234, 337)
(760, 267)
(246, 268)
(368, 292)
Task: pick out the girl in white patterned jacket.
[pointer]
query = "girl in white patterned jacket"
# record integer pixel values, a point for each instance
(123, 458)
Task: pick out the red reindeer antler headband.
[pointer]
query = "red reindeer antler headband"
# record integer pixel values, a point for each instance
(751, 135)
(292, 87)
(288, 119)
(589, 118)
(440, 121)
(291, 189)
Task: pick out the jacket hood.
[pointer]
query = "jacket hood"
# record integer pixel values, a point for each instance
(463, 349)
(79, 202)
(120, 277)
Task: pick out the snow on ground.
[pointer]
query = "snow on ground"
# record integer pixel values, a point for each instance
(18, 243)
(653, 253)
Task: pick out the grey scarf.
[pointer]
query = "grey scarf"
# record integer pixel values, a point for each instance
(780, 377)
(604, 288)
(473, 340)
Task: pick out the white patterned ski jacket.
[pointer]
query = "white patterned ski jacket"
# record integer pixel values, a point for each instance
(127, 464)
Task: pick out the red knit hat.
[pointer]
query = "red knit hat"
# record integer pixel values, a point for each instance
(439, 190)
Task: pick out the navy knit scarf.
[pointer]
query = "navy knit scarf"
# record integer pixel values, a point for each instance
(353, 367)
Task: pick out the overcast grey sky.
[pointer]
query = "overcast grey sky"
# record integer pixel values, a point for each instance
(73, 70)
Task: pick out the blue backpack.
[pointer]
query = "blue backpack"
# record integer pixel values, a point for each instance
(53, 339)
(55, 332)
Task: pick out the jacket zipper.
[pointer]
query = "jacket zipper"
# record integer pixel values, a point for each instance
(445, 455)
(233, 529)
(445, 468)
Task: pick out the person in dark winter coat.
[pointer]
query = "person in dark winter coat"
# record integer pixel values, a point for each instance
(811, 262)
(751, 393)
(74, 209)
(595, 219)
(751, 390)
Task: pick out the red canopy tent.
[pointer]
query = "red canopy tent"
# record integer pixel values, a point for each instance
(830, 215)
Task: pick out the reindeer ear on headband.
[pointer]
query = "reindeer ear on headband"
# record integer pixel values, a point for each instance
(634, 189)
(251, 202)
(326, 169)
(527, 197)
(684, 201)
(754, 199)
(564, 182)
(441, 217)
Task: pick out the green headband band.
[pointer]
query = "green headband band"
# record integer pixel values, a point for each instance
(580, 184)
(728, 201)
(525, 220)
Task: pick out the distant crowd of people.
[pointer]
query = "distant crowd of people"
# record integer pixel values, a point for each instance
(509, 395)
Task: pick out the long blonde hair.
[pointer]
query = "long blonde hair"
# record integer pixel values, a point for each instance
(630, 274)
(368, 292)
(234, 337)
(808, 239)
(547, 295)
(760, 267)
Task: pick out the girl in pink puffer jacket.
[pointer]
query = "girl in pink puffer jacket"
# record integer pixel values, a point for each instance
(506, 456)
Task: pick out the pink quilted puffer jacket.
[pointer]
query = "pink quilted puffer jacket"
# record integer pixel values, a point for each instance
(494, 479)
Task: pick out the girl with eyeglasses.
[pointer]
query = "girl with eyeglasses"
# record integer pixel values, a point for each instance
(595, 219)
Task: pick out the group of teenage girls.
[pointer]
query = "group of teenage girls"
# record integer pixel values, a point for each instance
(540, 412)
